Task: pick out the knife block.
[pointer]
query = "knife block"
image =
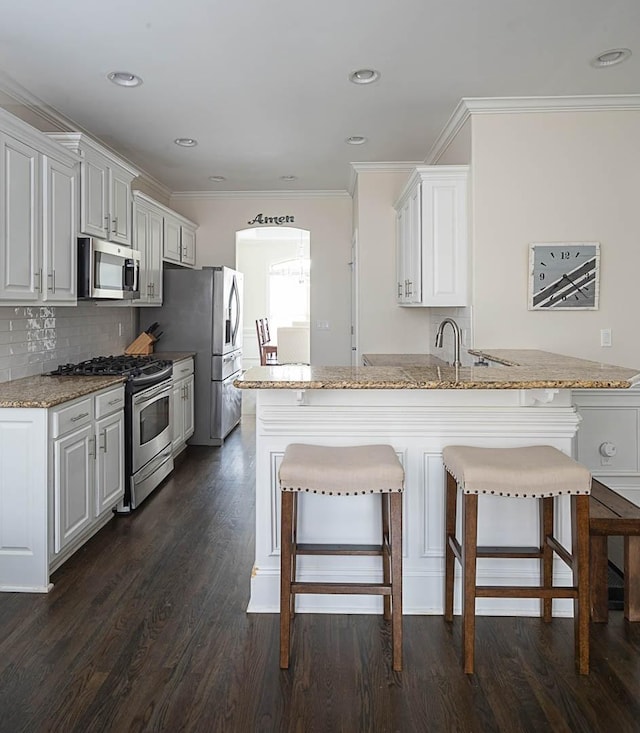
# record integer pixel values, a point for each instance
(142, 345)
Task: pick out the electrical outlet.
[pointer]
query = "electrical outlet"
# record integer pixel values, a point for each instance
(322, 325)
(119, 329)
(605, 337)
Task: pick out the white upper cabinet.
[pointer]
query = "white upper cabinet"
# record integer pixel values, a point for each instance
(179, 240)
(148, 237)
(105, 189)
(432, 238)
(38, 209)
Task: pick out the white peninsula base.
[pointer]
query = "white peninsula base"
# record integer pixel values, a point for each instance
(418, 423)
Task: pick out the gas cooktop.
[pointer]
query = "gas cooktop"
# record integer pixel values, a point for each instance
(125, 365)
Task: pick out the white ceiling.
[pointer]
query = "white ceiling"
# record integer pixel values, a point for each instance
(263, 84)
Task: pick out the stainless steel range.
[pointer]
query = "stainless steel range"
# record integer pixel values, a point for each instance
(148, 456)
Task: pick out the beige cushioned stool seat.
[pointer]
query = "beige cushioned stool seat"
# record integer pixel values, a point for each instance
(359, 469)
(534, 471)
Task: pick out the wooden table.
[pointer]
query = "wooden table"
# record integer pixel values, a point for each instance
(612, 514)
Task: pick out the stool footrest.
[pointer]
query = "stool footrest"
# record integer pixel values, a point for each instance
(524, 591)
(337, 549)
(365, 589)
(508, 551)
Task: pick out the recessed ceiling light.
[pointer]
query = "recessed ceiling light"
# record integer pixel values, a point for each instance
(124, 79)
(364, 76)
(356, 140)
(217, 179)
(288, 178)
(610, 58)
(186, 142)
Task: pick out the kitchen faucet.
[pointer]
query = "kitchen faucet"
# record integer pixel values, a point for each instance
(457, 339)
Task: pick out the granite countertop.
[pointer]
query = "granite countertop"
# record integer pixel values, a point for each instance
(47, 391)
(528, 369)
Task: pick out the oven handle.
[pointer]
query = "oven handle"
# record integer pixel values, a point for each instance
(147, 396)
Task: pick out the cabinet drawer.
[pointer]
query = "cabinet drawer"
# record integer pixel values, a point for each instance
(109, 402)
(72, 417)
(182, 369)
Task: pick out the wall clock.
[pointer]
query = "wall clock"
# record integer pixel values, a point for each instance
(564, 276)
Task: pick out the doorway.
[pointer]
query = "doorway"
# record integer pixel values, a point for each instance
(276, 263)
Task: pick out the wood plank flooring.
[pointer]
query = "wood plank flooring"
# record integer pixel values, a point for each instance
(146, 630)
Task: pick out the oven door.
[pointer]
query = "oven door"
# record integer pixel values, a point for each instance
(151, 423)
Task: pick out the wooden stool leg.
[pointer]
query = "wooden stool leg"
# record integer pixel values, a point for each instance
(294, 550)
(395, 500)
(286, 529)
(451, 493)
(469, 555)
(598, 563)
(580, 553)
(546, 561)
(632, 578)
(386, 548)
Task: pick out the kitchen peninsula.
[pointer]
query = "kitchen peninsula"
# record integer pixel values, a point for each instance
(418, 404)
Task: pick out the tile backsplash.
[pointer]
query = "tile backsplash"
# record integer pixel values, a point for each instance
(35, 339)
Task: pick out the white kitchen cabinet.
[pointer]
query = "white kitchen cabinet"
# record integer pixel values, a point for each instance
(63, 472)
(38, 209)
(608, 437)
(432, 238)
(105, 189)
(179, 240)
(182, 404)
(148, 237)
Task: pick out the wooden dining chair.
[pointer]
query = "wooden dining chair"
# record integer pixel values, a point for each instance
(268, 351)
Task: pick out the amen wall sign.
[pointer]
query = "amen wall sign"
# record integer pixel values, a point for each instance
(262, 219)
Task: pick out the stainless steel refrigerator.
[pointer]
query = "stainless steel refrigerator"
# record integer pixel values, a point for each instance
(202, 312)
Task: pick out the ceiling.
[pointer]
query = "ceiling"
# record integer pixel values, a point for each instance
(262, 85)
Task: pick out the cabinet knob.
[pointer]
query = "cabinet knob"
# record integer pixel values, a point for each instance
(607, 449)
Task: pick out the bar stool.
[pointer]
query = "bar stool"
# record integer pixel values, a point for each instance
(342, 471)
(539, 472)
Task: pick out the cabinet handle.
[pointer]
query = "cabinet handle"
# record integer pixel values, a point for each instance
(92, 446)
(103, 435)
(38, 284)
(106, 222)
(52, 275)
(410, 282)
(115, 225)
(115, 402)
(399, 290)
(186, 369)
(79, 417)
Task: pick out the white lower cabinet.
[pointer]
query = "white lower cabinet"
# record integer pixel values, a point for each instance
(62, 474)
(183, 404)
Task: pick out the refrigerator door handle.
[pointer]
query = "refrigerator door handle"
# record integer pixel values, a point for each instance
(236, 294)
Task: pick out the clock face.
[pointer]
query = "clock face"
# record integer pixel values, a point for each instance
(564, 276)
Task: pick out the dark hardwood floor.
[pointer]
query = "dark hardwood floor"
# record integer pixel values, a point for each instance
(146, 630)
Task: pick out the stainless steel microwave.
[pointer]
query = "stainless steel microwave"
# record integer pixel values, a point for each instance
(107, 270)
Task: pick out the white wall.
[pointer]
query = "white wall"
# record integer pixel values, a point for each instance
(384, 327)
(328, 219)
(549, 177)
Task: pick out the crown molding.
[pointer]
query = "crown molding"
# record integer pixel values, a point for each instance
(469, 106)
(260, 194)
(405, 166)
(63, 124)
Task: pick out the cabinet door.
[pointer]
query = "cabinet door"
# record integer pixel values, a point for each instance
(177, 431)
(188, 240)
(73, 458)
(94, 214)
(59, 234)
(171, 239)
(188, 402)
(401, 236)
(20, 224)
(154, 255)
(140, 242)
(412, 255)
(119, 206)
(444, 240)
(109, 462)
